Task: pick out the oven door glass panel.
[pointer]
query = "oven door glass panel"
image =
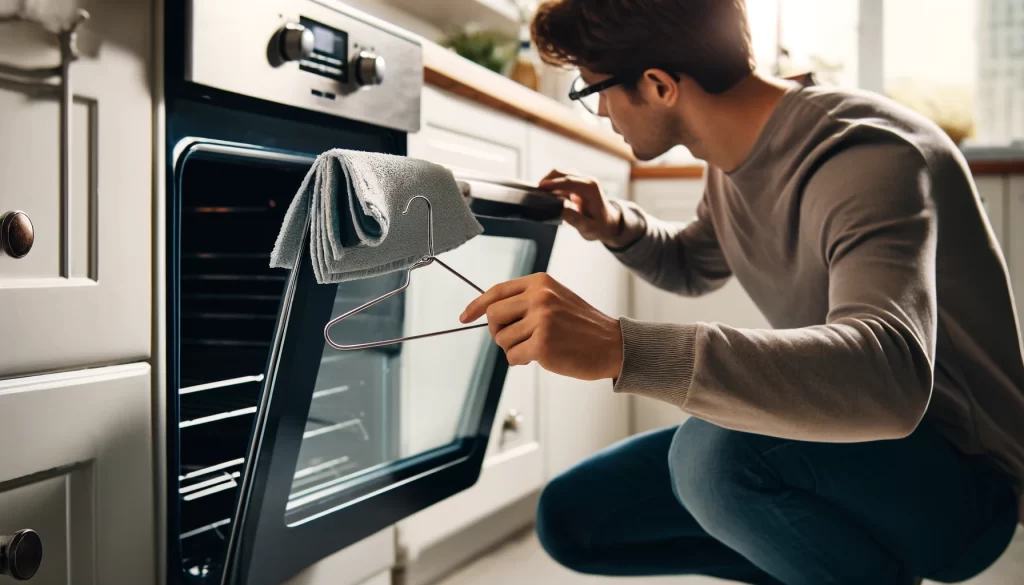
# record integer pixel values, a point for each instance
(349, 442)
(373, 409)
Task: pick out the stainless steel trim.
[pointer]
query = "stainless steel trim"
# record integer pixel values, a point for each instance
(370, 20)
(191, 144)
(507, 192)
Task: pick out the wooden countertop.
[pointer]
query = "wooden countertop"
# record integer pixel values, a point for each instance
(447, 70)
(696, 171)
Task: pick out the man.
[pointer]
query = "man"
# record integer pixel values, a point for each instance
(876, 434)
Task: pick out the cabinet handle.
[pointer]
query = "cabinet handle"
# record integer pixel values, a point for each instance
(16, 234)
(513, 420)
(20, 554)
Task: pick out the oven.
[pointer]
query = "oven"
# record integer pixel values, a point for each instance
(279, 449)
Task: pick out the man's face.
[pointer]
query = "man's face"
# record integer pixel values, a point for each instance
(650, 129)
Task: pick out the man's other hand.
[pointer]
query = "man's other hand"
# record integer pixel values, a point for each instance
(587, 209)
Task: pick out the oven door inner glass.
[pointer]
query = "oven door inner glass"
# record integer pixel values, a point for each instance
(372, 409)
(287, 450)
(346, 443)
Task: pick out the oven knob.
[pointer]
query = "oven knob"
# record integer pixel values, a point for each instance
(369, 68)
(20, 555)
(296, 42)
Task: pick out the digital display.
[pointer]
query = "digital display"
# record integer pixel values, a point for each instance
(323, 40)
(330, 51)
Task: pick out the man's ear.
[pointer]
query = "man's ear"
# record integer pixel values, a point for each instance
(660, 87)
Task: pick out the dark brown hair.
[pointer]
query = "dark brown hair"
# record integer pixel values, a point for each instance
(707, 40)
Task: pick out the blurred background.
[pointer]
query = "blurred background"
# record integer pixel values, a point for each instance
(960, 62)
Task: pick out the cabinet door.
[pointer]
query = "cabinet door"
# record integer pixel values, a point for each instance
(78, 470)
(676, 200)
(82, 294)
(580, 418)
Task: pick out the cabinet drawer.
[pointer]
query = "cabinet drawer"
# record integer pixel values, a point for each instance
(81, 296)
(80, 473)
(461, 134)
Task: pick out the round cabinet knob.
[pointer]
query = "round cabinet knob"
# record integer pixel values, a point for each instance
(370, 68)
(296, 42)
(16, 234)
(20, 554)
(513, 420)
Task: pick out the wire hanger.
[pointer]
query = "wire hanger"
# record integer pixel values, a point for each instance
(430, 258)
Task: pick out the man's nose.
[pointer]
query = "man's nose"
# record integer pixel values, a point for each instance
(602, 108)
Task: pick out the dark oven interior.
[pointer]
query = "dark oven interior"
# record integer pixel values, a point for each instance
(230, 212)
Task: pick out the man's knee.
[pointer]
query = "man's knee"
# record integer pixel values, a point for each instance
(558, 525)
(713, 470)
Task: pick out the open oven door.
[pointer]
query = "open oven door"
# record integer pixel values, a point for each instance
(347, 443)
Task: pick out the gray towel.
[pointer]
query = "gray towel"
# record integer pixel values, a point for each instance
(357, 228)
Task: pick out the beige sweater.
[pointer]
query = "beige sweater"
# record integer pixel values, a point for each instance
(856, 228)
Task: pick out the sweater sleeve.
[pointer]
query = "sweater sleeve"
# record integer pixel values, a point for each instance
(866, 373)
(683, 258)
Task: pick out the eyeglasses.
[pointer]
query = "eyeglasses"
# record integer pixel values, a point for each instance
(580, 89)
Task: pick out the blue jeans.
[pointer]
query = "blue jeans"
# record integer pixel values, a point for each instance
(700, 499)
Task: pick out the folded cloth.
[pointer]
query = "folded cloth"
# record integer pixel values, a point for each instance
(54, 15)
(354, 202)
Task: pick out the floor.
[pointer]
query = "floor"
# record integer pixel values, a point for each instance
(522, 561)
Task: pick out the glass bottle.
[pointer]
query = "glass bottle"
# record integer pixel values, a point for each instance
(524, 71)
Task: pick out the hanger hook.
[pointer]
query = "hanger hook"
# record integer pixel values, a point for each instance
(430, 223)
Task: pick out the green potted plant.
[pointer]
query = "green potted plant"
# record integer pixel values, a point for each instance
(489, 48)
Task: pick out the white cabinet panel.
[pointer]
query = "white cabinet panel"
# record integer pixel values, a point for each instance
(367, 562)
(1014, 248)
(458, 133)
(676, 200)
(80, 473)
(94, 308)
(580, 418)
(993, 193)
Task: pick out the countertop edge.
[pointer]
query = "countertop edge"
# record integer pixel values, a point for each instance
(446, 70)
(979, 168)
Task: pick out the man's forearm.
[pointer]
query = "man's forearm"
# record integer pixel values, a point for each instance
(680, 258)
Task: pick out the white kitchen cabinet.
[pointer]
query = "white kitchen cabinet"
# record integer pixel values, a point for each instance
(676, 200)
(580, 418)
(78, 469)
(368, 562)
(461, 134)
(993, 190)
(1014, 235)
(93, 308)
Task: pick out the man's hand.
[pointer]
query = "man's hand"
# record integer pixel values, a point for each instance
(535, 318)
(589, 210)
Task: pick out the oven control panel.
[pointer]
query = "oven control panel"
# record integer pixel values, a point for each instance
(314, 54)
